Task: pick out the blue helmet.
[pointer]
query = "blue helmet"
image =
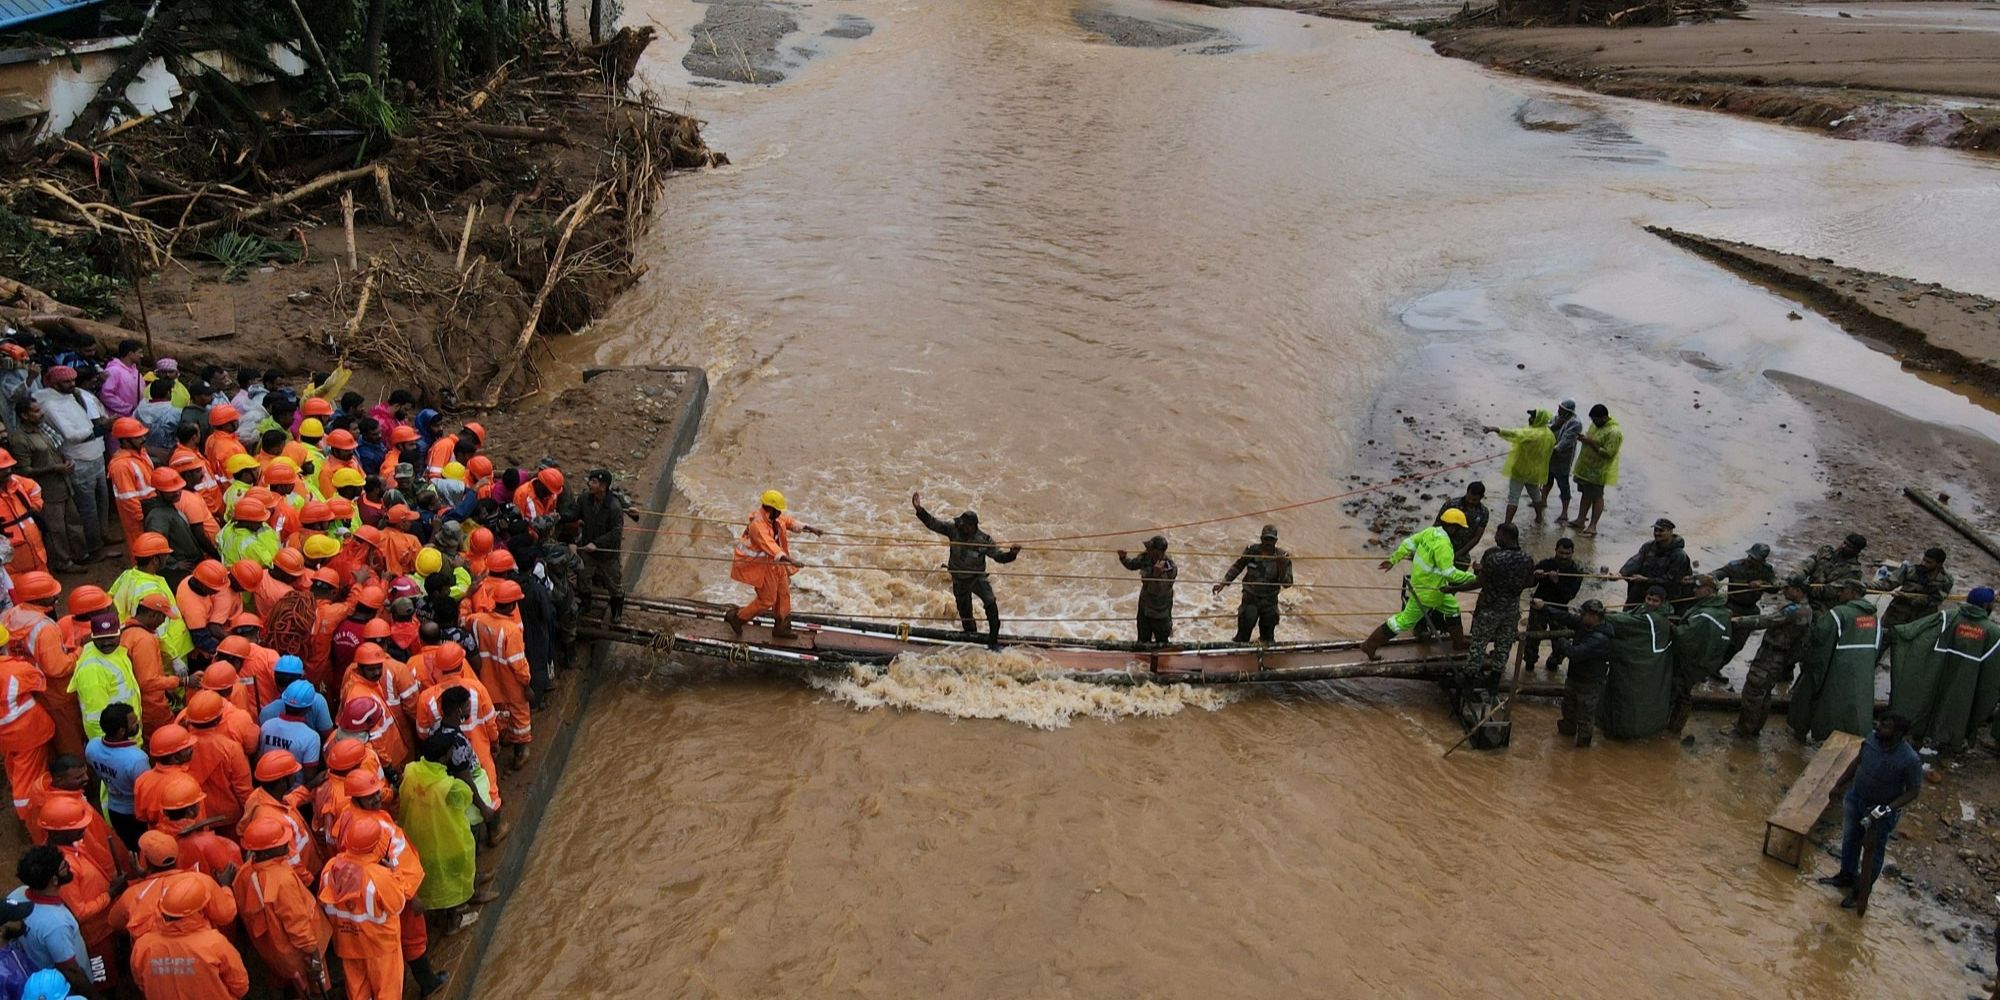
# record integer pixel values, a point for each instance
(289, 664)
(300, 694)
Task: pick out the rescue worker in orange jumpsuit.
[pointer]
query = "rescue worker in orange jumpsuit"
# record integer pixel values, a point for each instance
(340, 454)
(207, 601)
(92, 886)
(364, 706)
(25, 729)
(141, 640)
(136, 912)
(33, 636)
(219, 762)
(763, 559)
(170, 749)
(200, 848)
(193, 503)
(538, 497)
(398, 547)
(280, 914)
(131, 474)
(222, 441)
(503, 666)
(365, 792)
(405, 447)
(481, 724)
(185, 958)
(20, 500)
(280, 794)
(365, 901)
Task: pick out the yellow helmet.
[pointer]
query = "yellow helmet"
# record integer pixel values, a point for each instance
(1453, 516)
(429, 560)
(321, 547)
(773, 499)
(237, 463)
(348, 477)
(5, 635)
(312, 428)
(452, 470)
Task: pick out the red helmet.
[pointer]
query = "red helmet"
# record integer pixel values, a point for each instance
(361, 713)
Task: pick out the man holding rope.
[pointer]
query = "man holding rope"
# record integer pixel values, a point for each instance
(970, 548)
(763, 559)
(1432, 575)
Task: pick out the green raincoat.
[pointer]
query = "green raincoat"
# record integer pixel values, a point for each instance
(1836, 687)
(432, 807)
(1600, 467)
(1639, 693)
(1944, 674)
(1528, 461)
(1701, 644)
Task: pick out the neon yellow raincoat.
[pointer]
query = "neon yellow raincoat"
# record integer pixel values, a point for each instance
(1430, 554)
(433, 808)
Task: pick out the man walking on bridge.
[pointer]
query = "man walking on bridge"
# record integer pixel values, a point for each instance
(763, 559)
(1431, 573)
(970, 548)
(1266, 569)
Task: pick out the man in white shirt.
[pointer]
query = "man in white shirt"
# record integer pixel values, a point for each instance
(82, 421)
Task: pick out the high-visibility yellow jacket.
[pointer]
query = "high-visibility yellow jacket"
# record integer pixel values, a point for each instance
(1430, 554)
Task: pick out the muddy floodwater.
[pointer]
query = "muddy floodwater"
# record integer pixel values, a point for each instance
(985, 251)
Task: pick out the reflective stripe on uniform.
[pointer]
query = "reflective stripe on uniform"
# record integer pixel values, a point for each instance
(17, 706)
(367, 915)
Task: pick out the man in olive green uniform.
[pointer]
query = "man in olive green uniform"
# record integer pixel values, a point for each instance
(1836, 687)
(1266, 569)
(1919, 590)
(1749, 579)
(1784, 633)
(1700, 647)
(1828, 567)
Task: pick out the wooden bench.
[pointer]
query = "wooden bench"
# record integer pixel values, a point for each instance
(1785, 832)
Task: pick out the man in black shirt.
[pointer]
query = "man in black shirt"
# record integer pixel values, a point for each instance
(970, 548)
(1589, 665)
(1266, 569)
(1473, 506)
(1558, 577)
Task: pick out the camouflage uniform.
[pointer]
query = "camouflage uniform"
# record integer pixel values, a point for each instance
(1823, 573)
(565, 572)
(1750, 579)
(1784, 639)
(1503, 574)
(1589, 665)
(1923, 593)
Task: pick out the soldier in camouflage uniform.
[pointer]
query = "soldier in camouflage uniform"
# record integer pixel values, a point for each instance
(1784, 637)
(1589, 665)
(1922, 589)
(1830, 565)
(1749, 579)
(1504, 571)
(565, 572)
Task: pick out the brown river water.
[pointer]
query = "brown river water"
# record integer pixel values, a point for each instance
(1082, 287)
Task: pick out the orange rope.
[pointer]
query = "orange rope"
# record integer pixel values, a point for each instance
(926, 571)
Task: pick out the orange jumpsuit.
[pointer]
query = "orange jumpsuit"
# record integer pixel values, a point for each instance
(305, 851)
(399, 551)
(217, 449)
(327, 617)
(34, 637)
(282, 919)
(365, 901)
(137, 911)
(530, 503)
(224, 770)
(389, 739)
(155, 680)
(330, 801)
(198, 611)
(207, 852)
(211, 485)
(186, 959)
(260, 668)
(439, 457)
(402, 860)
(503, 666)
(88, 896)
(19, 500)
(765, 540)
(481, 724)
(131, 475)
(199, 517)
(334, 464)
(99, 840)
(268, 591)
(25, 729)
(146, 793)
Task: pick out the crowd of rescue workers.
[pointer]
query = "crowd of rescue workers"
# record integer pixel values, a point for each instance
(278, 734)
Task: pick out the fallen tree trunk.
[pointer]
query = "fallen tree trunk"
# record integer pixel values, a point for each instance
(32, 299)
(577, 214)
(524, 133)
(143, 51)
(272, 204)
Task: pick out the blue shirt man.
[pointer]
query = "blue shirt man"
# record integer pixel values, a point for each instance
(1884, 779)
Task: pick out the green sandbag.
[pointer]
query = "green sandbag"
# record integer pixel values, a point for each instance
(1701, 644)
(1639, 693)
(1944, 674)
(1836, 688)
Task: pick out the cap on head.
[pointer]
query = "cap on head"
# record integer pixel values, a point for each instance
(158, 849)
(429, 560)
(1981, 596)
(104, 626)
(1157, 543)
(1269, 533)
(1567, 405)
(234, 645)
(1857, 541)
(1599, 411)
(1591, 607)
(506, 592)
(1760, 551)
(1663, 524)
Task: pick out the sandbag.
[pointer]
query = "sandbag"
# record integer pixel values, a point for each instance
(1638, 696)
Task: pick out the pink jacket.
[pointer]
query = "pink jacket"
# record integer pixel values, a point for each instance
(120, 393)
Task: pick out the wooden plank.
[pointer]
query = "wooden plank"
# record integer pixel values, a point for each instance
(1785, 832)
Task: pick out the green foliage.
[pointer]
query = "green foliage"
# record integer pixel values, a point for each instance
(78, 270)
(239, 252)
(368, 106)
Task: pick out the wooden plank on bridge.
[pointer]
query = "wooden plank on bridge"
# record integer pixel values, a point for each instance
(1785, 832)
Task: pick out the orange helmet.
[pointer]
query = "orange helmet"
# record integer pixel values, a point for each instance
(204, 706)
(166, 480)
(345, 755)
(479, 467)
(266, 832)
(180, 791)
(88, 599)
(447, 657)
(315, 512)
(35, 585)
(7, 459)
(247, 573)
(275, 764)
(481, 541)
(185, 462)
(370, 597)
(234, 645)
(316, 406)
(220, 675)
(368, 535)
(364, 835)
(184, 897)
(280, 474)
(551, 478)
(211, 574)
(245, 619)
(361, 781)
(150, 543)
(477, 430)
(342, 508)
(342, 439)
(402, 514)
(377, 628)
(250, 510)
(290, 561)
(65, 813)
(168, 740)
(157, 601)
(404, 435)
(222, 413)
(501, 561)
(370, 653)
(126, 428)
(506, 592)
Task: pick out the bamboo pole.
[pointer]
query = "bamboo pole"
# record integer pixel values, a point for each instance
(1959, 524)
